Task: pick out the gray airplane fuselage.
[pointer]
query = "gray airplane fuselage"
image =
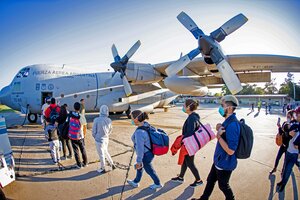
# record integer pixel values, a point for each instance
(68, 85)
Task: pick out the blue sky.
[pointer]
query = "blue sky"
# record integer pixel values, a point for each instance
(80, 33)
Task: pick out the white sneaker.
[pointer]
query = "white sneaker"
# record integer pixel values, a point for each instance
(101, 170)
(154, 186)
(132, 183)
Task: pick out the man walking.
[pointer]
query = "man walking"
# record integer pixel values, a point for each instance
(225, 160)
(76, 136)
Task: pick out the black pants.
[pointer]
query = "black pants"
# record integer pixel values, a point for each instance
(281, 151)
(222, 176)
(66, 143)
(79, 144)
(189, 163)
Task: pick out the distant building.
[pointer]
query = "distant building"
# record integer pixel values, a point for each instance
(273, 99)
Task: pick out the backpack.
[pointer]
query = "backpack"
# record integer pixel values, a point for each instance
(53, 114)
(245, 145)
(74, 129)
(159, 140)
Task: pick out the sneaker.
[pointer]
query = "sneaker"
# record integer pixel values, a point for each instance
(85, 165)
(63, 158)
(177, 179)
(69, 157)
(113, 167)
(78, 166)
(196, 183)
(132, 183)
(154, 186)
(101, 171)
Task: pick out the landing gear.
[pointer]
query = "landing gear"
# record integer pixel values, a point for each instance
(128, 113)
(119, 113)
(32, 117)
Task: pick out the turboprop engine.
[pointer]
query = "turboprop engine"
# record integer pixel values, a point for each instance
(141, 73)
(186, 85)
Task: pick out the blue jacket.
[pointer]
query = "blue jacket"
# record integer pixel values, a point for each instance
(231, 136)
(140, 138)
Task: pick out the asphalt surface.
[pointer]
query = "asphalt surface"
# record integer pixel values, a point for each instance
(39, 178)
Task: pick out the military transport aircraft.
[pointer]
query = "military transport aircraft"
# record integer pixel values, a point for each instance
(131, 85)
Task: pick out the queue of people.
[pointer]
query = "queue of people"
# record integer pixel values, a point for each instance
(224, 159)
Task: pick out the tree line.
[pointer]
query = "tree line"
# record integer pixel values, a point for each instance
(287, 87)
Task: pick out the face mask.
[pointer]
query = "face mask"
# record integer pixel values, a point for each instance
(222, 111)
(288, 120)
(183, 109)
(132, 122)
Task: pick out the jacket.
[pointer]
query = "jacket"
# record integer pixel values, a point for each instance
(179, 145)
(222, 160)
(51, 132)
(102, 126)
(141, 141)
(48, 110)
(191, 124)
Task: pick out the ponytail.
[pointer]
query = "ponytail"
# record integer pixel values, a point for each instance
(139, 115)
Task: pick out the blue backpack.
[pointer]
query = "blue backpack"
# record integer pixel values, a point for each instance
(159, 140)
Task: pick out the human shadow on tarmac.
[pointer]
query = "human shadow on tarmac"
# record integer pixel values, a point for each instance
(187, 193)
(111, 192)
(166, 188)
(295, 187)
(250, 112)
(81, 177)
(272, 178)
(256, 115)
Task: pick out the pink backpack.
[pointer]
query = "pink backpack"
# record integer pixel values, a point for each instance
(199, 139)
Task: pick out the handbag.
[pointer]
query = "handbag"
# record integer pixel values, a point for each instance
(199, 139)
(278, 139)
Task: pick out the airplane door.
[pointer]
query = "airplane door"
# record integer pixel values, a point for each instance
(44, 95)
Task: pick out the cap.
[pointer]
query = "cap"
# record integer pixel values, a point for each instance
(231, 98)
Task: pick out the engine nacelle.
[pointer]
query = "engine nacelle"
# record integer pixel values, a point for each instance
(140, 73)
(186, 85)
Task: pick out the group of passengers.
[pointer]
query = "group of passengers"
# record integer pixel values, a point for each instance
(289, 145)
(224, 160)
(66, 128)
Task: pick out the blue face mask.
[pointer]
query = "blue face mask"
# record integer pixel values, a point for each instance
(221, 111)
(132, 122)
(183, 109)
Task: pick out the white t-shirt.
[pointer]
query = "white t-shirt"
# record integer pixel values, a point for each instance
(44, 108)
(291, 147)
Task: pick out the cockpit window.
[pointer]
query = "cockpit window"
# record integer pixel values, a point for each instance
(23, 73)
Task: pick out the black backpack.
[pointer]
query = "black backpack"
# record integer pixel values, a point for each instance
(64, 129)
(245, 145)
(53, 114)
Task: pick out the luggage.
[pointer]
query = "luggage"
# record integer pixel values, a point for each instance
(197, 141)
(159, 140)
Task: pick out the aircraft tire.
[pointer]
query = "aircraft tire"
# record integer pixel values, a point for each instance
(32, 118)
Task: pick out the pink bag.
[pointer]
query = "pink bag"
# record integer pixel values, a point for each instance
(197, 141)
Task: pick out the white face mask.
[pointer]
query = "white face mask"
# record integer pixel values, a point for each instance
(288, 120)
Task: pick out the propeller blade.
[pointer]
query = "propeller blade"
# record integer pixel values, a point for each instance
(229, 77)
(127, 87)
(234, 23)
(189, 24)
(115, 53)
(131, 51)
(174, 68)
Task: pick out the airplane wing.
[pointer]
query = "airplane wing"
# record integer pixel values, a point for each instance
(243, 63)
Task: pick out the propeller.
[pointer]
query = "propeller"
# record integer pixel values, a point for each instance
(210, 49)
(120, 64)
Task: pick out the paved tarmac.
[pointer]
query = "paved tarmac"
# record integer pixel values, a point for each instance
(39, 178)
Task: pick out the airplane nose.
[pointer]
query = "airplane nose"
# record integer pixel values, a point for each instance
(4, 96)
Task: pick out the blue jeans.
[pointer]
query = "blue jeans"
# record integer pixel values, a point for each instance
(290, 160)
(147, 159)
